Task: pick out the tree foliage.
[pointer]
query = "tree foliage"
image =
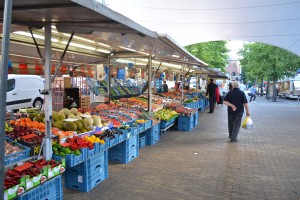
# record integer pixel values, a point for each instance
(213, 53)
(262, 61)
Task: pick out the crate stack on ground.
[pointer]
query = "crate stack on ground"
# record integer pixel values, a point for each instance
(186, 122)
(85, 101)
(143, 139)
(125, 151)
(153, 135)
(89, 174)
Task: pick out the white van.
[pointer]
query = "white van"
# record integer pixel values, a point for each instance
(23, 91)
(289, 88)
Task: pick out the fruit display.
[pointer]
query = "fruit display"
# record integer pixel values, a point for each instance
(62, 151)
(94, 139)
(28, 170)
(35, 123)
(24, 133)
(8, 127)
(108, 134)
(10, 148)
(166, 114)
(185, 111)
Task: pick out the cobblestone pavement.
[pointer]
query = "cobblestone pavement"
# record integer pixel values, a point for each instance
(203, 164)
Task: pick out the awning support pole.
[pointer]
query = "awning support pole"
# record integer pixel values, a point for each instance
(47, 145)
(62, 57)
(3, 86)
(36, 45)
(149, 85)
(182, 84)
(109, 79)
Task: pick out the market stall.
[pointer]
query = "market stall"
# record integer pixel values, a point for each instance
(83, 139)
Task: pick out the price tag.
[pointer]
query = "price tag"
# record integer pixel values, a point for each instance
(29, 184)
(50, 173)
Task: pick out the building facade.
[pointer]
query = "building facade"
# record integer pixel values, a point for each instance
(233, 70)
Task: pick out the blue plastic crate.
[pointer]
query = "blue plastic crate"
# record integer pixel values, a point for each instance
(196, 119)
(142, 140)
(148, 124)
(185, 119)
(164, 124)
(87, 153)
(122, 137)
(71, 159)
(153, 138)
(50, 190)
(141, 127)
(112, 141)
(124, 152)
(155, 129)
(185, 123)
(134, 130)
(88, 174)
(99, 147)
(15, 157)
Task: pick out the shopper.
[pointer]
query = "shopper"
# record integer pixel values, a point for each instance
(253, 93)
(236, 101)
(211, 91)
(165, 87)
(217, 96)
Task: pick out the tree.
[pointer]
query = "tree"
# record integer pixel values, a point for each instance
(213, 53)
(265, 61)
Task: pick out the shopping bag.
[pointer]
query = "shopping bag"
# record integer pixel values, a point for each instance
(247, 123)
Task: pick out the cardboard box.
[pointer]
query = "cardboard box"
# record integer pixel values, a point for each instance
(62, 82)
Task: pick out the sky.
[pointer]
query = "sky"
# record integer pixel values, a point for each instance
(234, 47)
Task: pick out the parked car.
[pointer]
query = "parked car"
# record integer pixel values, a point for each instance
(23, 91)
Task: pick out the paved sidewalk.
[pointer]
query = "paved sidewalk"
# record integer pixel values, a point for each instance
(202, 164)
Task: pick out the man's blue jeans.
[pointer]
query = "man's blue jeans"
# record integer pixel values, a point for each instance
(234, 125)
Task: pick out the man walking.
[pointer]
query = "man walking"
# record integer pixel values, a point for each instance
(236, 101)
(211, 91)
(253, 93)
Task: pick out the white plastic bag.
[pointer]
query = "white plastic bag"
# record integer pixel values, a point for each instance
(247, 123)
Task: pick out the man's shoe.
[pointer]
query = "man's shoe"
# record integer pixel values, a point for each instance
(234, 140)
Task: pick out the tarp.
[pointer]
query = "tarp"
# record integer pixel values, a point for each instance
(274, 22)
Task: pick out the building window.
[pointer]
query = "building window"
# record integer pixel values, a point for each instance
(234, 64)
(233, 74)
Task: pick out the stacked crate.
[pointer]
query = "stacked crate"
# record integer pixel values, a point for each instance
(186, 123)
(89, 174)
(153, 135)
(125, 151)
(85, 102)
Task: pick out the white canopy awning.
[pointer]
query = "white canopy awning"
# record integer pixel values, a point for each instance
(274, 22)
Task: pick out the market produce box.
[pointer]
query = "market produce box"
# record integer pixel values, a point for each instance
(62, 82)
(15, 152)
(51, 189)
(124, 152)
(33, 173)
(16, 190)
(88, 174)
(142, 140)
(185, 123)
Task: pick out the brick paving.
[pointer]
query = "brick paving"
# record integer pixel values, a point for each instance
(202, 164)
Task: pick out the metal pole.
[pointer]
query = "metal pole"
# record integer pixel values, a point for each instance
(149, 85)
(62, 58)
(182, 81)
(48, 96)
(109, 81)
(3, 86)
